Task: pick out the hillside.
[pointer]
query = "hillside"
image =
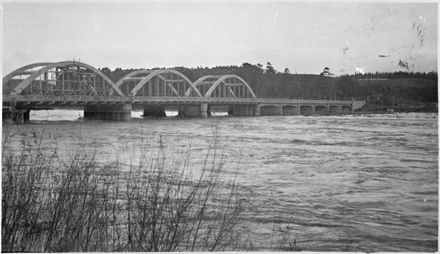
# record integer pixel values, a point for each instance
(384, 89)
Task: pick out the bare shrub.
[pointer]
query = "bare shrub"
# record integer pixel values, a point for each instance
(53, 203)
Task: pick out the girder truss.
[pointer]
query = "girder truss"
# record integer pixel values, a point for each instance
(162, 82)
(62, 79)
(224, 86)
(71, 78)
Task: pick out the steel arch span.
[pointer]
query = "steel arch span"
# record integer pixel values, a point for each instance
(162, 82)
(66, 78)
(224, 86)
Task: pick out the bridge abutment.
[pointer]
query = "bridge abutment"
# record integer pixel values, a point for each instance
(118, 112)
(346, 109)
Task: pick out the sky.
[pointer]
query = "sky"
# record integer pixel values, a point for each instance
(346, 37)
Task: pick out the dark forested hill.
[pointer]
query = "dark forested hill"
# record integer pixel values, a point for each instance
(387, 89)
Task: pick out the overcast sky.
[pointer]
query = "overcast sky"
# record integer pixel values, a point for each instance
(304, 37)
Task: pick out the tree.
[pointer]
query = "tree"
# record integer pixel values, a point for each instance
(247, 65)
(326, 72)
(269, 68)
(105, 70)
(252, 68)
(286, 71)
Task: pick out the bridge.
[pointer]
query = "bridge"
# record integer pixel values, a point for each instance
(72, 84)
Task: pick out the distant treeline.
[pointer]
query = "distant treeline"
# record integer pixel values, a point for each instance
(394, 75)
(382, 88)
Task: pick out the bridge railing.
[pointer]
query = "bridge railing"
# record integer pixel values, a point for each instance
(133, 99)
(302, 101)
(63, 98)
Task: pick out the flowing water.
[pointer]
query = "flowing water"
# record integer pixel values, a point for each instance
(325, 183)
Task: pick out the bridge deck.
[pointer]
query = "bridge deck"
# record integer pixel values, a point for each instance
(85, 100)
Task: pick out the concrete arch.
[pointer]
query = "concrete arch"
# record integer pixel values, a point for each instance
(157, 73)
(20, 87)
(223, 78)
(200, 80)
(24, 68)
(131, 74)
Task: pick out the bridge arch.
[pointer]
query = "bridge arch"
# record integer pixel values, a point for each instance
(61, 78)
(9, 83)
(225, 86)
(24, 70)
(162, 82)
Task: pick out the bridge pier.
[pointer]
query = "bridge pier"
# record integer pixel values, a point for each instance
(256, 110)
(209, 112)
(307, 110)
(18, 117)
(242, 110)
(337, 109)
(180, 111)
(291, 110)
(26, 115)
(321, 109)
(271, 110)
(193, 110)
(157, 111)
(119, 112)
(15, 116)
(204, 110)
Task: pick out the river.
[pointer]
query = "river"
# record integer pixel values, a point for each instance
(329, 183)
